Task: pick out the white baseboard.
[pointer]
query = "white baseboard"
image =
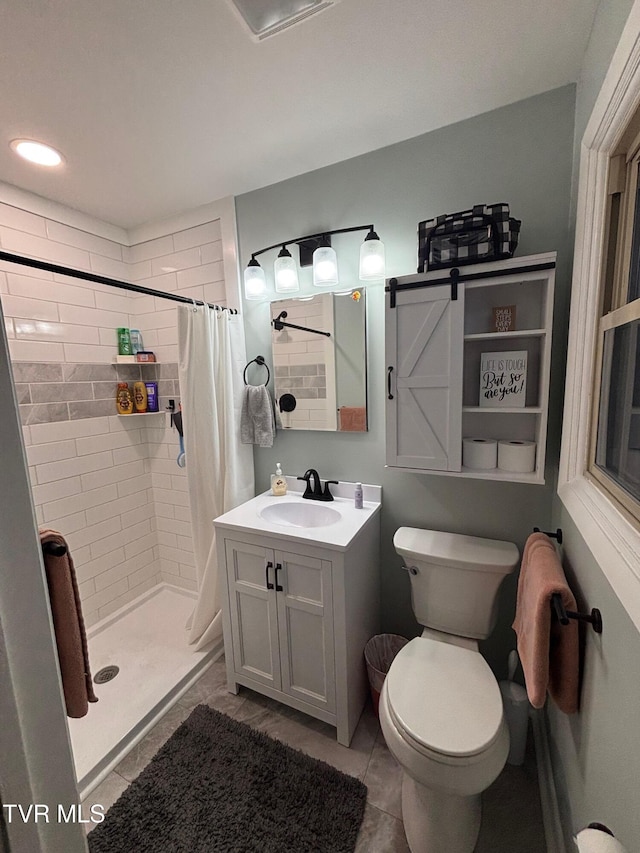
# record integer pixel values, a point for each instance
(553, 833)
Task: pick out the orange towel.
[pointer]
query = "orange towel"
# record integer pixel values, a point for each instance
(68, 625)
(547, 649)
(353, 418)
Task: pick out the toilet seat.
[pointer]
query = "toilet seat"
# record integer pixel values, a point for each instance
(444, 701)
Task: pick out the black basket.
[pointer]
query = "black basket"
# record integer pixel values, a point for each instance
(484, 233)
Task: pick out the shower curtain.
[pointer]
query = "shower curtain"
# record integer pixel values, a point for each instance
(211, 358)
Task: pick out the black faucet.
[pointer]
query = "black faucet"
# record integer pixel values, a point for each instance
(316, 494)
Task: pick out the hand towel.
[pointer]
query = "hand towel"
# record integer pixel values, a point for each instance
(353, 418)
(257, 418)
(547, 649)
(68, 625)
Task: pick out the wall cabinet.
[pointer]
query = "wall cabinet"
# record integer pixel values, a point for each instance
(434, 345)
(296, 619)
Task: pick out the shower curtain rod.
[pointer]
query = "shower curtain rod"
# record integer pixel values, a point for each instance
(111, 282)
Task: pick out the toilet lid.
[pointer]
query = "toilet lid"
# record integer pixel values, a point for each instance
(444, 697)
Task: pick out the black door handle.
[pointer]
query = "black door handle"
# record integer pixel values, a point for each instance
(278, 587)
(389, 372)
(266, 573)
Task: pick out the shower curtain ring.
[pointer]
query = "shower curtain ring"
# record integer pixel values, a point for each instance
(195, 307)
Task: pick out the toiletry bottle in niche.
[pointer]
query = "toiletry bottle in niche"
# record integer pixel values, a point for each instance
(278, 482)
(136, 341)
(140, 397)
(152, 396)
(124, 342)
(357, 496)
(124, 400)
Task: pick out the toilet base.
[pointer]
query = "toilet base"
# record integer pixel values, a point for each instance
(436, 822)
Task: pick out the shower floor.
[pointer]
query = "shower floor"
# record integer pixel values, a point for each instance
(147, 641)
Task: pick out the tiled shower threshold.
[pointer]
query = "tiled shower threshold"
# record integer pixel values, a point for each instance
(147, 640)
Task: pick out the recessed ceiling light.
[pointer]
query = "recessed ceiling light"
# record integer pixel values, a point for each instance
(36, 152)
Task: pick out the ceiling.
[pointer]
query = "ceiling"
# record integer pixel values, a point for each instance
(160, 106)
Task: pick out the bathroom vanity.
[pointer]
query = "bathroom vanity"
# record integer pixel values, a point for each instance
(299, 584)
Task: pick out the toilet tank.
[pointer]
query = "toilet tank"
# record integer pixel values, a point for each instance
(455, 579)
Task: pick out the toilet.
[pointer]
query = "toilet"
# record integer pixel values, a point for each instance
(440, 705)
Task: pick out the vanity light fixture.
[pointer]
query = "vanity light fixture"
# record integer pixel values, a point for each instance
(325, 265)
(36, 152)
(255, 283)
(372, 260)
(314, 249)
(286, 272)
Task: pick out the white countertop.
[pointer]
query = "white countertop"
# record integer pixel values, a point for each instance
(337, 536)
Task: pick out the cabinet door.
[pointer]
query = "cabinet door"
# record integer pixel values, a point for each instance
(305, 623)
(424, 346)
(253, 610)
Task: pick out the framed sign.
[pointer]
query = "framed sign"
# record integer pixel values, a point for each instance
(503, 379)
(504, 318)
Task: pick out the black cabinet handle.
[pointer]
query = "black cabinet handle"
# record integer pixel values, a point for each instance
(389, 372)
(266, 573)
(278, 568)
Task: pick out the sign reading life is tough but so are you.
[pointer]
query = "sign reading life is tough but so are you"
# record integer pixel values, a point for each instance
(503, 378)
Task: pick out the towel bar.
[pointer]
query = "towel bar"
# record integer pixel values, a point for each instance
(55, 549)
(557, 535)
(563, 616)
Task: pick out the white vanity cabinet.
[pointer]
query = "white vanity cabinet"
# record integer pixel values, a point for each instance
(434, 345)
(281, 610)
(298, 610)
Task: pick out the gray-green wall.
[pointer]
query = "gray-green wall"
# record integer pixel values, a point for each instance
(521, 154)
(596, 753)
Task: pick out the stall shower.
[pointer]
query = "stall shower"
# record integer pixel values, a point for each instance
(111, 484)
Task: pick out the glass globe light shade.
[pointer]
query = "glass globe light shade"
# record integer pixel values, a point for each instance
(255, 282)
(286, 273)
(325, 267)
(372, 261)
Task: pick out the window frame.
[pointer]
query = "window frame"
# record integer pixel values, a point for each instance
(610, 535)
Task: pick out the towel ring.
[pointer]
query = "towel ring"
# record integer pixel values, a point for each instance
(259, 360)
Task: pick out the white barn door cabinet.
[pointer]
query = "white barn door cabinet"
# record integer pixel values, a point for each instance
(435, 338)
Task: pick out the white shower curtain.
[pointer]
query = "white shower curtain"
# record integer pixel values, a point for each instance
(211, 359)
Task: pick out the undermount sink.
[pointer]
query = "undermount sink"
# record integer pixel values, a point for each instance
(300, 514)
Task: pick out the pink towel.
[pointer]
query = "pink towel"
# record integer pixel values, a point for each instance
(68, 625)
(547, 649)
(353, 419)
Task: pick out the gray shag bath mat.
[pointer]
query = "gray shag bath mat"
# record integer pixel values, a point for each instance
(218, 785)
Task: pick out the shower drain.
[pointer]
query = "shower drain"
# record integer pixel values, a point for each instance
(106, 674)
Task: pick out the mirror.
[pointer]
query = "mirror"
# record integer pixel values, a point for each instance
(319, 353)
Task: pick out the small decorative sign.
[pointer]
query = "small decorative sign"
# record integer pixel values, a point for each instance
(503, 378)
(504, 318)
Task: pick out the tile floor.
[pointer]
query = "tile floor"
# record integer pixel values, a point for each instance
(512, 817)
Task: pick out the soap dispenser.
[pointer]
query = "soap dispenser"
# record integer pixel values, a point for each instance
(278, 482)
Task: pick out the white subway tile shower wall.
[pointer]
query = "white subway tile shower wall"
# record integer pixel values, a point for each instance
(109, 484)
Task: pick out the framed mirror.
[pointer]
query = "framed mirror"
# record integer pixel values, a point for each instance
(319, 352)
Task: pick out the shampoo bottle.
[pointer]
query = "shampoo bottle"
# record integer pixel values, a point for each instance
(278, 482)
(140, 397)
(124, 400)
(124, 341)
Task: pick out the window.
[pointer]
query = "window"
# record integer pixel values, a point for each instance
(600, 446)
(614, 458)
